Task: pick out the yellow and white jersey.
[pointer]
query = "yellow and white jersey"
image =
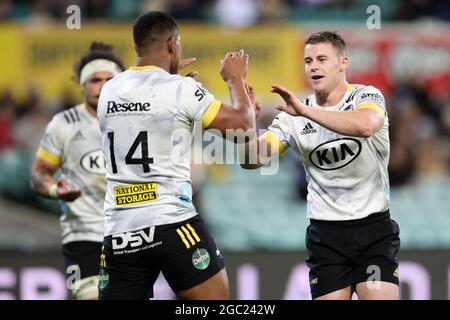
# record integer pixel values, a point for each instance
(146, 117)
(72, 140)
(347, 176)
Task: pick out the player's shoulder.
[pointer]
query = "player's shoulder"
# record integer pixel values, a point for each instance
(69, 116)
(187, 82)
(362, 91)
(283, 119)
(117, 80)
(309, 100)
(150, 72)
(286, 118)
(158, 75)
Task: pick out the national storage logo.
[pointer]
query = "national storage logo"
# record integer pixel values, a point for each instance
(136, 193)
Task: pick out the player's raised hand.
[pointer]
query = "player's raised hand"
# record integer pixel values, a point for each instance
(293, 105)
(251, 93)
(234, 65)
(67, 193)
(186, 62)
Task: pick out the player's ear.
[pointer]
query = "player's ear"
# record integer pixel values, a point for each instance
(172, 44)
(344, 63)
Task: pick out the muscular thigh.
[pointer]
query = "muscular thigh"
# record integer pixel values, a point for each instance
(190, 255)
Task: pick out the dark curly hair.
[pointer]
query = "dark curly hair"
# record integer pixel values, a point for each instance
(151, 26)
(98, 50)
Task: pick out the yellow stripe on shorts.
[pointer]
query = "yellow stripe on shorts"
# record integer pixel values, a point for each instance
(188, 235)
(180, 233)
(197, 238)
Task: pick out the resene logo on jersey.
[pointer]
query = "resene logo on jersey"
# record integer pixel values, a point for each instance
(114, 107)
(136, 193)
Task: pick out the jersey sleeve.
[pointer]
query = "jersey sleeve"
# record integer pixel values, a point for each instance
(51, 146)
(370, 98)
(196, 102)
(279, 134)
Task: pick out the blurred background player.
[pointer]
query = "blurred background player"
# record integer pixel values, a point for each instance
(341, 133)
(72, 144)
(147, 116)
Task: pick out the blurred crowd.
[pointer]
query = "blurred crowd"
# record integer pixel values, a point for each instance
(237, 13)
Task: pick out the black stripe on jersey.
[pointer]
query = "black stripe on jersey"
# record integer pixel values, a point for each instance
(72, 115)
(351, 96)
(309, 125)
(307, 101)
(348, 108)
(66, 117)
(76, 114)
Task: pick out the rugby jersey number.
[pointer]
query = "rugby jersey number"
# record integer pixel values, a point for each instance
(141, 139)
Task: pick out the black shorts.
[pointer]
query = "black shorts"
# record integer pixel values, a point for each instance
(343, 253)
(85, 255)
(184, 252)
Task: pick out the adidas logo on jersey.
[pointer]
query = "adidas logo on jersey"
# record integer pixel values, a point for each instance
(78, 136)
(308, 129)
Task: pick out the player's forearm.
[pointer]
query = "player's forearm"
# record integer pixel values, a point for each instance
(351, 123)
(43, 184)
(249, 155)
(241, 102)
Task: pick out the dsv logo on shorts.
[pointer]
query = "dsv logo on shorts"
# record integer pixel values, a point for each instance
(134, 239)
(335, 154)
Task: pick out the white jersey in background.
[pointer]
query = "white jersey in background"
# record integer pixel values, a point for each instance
(146, 117)
(72, 140)
(347, 176)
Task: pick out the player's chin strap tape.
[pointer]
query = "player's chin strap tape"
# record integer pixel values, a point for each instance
(85, 289)
(98, 65)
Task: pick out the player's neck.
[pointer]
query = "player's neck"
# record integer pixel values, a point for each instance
(92, 111)
(328, 99)
(154, 60)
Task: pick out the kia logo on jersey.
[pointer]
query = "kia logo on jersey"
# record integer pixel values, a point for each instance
(94, 162)
(335, 154)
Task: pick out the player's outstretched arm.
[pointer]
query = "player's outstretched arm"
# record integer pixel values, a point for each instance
(241, 113)
(43, 183)
(260, 150)
(359, 123)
